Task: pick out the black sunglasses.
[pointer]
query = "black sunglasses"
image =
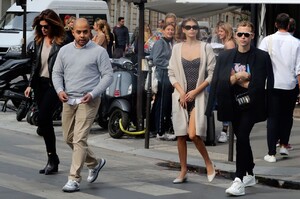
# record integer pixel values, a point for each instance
(44, 26)
(240, 34)
(188, 27)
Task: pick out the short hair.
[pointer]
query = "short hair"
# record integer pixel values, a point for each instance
(170, 15)
(120, 18)
(282, 21)
(246, 24)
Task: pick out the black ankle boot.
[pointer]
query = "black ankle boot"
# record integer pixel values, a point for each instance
(51, 166)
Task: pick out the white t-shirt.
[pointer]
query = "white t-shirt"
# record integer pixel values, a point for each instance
(284, 50)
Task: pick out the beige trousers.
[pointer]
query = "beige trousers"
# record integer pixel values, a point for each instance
(76, 124)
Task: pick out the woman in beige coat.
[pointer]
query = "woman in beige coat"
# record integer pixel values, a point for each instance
(190, 71)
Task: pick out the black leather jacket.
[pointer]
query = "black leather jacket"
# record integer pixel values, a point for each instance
(36, 62)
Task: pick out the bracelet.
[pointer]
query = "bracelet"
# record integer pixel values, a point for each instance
(235, 77)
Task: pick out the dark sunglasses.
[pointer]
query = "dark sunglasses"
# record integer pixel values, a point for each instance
(240, 34)
(188, 27)
(44, 26)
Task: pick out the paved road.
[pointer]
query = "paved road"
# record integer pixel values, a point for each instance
(125, 176)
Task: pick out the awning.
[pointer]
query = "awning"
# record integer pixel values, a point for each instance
(189, 9)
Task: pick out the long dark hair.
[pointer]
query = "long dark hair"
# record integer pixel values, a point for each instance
(183, 23)
(56, 30)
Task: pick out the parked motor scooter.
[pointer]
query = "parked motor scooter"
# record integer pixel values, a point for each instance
(13, 78)
(117, 110)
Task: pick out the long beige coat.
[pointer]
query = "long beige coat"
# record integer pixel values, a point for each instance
(176, 74)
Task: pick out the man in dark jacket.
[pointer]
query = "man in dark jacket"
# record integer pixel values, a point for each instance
(238, 87)
(121, 35)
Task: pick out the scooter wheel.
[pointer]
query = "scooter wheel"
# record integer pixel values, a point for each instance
(113, 123)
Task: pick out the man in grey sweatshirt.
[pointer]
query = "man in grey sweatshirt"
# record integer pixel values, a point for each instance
(82, 71)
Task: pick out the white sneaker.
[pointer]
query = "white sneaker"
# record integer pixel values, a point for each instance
(170, 137)
(93, 173)
(166, 136)
(71, 186)
(270, 158)
(237, 188)
(223, 137)
(249, 180)
(283, 151)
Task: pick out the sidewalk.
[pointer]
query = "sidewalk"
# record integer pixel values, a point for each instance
(284, 173)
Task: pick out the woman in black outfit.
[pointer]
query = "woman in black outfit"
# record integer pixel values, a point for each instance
(49, 37)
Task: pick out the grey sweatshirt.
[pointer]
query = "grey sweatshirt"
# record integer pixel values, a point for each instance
(78, 71)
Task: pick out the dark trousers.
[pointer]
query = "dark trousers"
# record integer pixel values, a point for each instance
(242, 126)
(47, 101)
(162, 107)
(280, 117)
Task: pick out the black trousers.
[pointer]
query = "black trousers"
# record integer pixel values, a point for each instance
(162, 106)
(47, 101)
(280, 117)
(242, 126)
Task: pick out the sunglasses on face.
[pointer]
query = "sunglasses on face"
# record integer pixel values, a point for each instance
(240, 34)
(44, 26)
(188, 27)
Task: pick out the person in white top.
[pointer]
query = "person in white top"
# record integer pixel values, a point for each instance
(284, 50)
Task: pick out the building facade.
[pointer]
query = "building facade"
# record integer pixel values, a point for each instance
(130, 12)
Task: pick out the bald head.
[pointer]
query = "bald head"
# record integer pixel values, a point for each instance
(81, 22)
(81, 32)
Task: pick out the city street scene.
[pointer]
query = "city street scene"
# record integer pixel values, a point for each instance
(145, 99)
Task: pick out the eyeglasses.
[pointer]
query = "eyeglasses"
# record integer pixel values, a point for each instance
(44, 26)
(188, 27)
(240, 34)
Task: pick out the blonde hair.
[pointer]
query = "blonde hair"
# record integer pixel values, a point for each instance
(228, 31)
(103, 26)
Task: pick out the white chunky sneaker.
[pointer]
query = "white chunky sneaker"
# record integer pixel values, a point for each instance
(283, 151)
(237, 188)
(71, 186)
(249, 180)
(223, 137)
(93, 173)
(270, 158)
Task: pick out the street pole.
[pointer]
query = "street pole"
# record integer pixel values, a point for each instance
(140, 77)
(24, 7)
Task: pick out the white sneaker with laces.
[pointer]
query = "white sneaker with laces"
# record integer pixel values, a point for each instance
(249, 180)
(283, 151)
(93, 173)
(237, 188)
(270, 158)
(71, 186)
(223, 137)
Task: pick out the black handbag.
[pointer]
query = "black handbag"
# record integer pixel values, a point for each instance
(243, 100)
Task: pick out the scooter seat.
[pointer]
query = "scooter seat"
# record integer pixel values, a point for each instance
(12, 62)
